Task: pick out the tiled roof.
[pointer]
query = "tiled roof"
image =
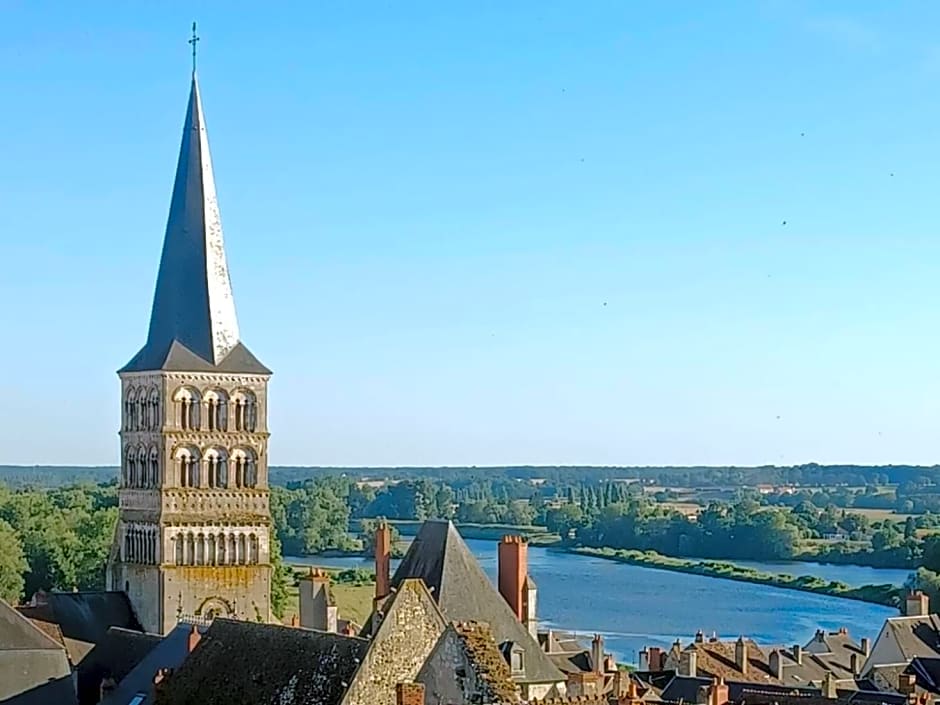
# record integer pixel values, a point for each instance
(439, 557)
(916, 636)
(244, 663)
(36, 669)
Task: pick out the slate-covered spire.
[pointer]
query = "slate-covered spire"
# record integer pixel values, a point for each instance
(193, 305)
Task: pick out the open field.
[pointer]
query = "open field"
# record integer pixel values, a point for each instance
(354, 602)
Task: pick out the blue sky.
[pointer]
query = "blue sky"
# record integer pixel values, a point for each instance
(491, 232)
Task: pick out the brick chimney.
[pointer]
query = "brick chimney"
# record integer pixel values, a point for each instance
(798, 654)
(655, 659)
(597, 653)
(513, 568)
(193, 639)
(718, 692)
(740, 655)
(383, 558)
(917, 604)
(409, 694)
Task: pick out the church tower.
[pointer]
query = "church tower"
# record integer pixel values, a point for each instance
(193, 537)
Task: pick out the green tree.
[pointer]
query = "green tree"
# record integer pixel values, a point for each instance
(281, 578)
(12, 564)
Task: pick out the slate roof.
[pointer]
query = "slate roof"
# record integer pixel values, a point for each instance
(245, 663)
(83, 618)
(170, 653)
(35, 667)
(439, 557)
(114, 656)
(193, 324)
(916, 636)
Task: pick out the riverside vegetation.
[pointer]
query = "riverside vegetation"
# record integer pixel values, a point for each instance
(59, 536)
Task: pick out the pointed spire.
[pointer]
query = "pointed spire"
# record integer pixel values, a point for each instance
(193, 304)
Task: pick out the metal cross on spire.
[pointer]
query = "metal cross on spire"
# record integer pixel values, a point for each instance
(195, 38)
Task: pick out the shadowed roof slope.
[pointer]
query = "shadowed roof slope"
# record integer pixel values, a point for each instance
(114, 656)
(439, 556)
(243, 663)
(193, 313)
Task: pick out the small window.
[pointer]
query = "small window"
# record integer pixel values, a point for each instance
(137, 699)
(516, 663)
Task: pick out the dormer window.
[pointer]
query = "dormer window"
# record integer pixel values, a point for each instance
(517, 660)
(515, 656)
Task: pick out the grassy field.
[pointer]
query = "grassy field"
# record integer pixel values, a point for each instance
(354, 602)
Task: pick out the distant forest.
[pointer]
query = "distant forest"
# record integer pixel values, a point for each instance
(809, 475)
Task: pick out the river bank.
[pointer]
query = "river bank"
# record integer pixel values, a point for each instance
(885, 594)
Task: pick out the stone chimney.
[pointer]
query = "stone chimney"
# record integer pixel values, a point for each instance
(643, 660)
(854, 664)
(718, 692)
(798, 654)
(193, 639)
(409, 694)
(917, 604)
(699, 637)
(740, 655)
(513, 568)
(688, 663)
(776, 664)
(866, 646)
(529, 596)
(597, 653)
(383, 560)
(829, 690)
(315, 609)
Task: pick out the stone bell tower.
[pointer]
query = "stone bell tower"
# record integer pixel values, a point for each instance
(193, 533)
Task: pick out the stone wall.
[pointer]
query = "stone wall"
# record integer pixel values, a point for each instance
(409, 630)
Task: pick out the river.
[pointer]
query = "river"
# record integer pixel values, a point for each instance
(634, 606)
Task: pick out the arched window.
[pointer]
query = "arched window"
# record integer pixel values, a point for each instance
(211, 555)
(127, 472)
(143, 476)
(200, 550)
(216, 403)
(190, 549)
(143, 410)
(232, 552)
(129, 399)
(244, 468)
(154, 403)
(153, 467)
(241, 549)
(179, 549)
(244, 407)
(217, 467)
(253, 549)
(187, 408)
(187, 466)
(222, 543)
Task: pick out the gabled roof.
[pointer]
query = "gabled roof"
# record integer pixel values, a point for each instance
(439, 557)
(114, 656)
(193, 304)
(169, 653)
(19, 634)
(916, 636)
(35, 668)
(83, 618)
(245, 663)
